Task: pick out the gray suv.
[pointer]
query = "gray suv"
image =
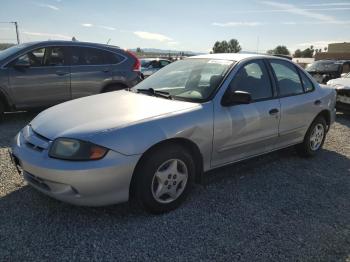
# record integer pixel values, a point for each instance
(42, 74)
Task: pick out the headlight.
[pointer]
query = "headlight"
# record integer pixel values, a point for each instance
(73, 149)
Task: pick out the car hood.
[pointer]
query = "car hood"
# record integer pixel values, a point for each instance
(340, 83)
(90, 115)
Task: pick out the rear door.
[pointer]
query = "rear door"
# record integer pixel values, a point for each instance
(45, 82)
(90, 70)
(299, 104)
(245, 130)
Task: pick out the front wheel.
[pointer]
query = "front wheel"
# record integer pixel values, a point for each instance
(164, 178)
(2, 109)
(314, 138)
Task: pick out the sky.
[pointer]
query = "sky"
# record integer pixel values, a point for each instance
(188, 25)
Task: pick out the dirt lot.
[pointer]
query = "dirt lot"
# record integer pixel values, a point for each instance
(276, 207)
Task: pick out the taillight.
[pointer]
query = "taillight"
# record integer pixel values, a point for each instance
(137, 64)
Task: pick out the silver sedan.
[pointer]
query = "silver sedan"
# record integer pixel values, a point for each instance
(151, 143)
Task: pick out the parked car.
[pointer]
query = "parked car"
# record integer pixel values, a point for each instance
(194, 115)
(325, 70)
(151, 65)
(342, 86)
(43, 74)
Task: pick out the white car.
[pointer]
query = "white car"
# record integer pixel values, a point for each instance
(342, 86)
(151, 65)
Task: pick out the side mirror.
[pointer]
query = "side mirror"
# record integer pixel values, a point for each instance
(21, 64)
(236, 98)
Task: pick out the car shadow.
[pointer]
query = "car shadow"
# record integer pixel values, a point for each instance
(279, 203)
(11, 124)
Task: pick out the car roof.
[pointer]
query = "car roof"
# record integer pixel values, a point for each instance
(231, 56)
(63, 42)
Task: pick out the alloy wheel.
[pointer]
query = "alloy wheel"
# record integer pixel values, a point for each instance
(169, 181)
(316, 137)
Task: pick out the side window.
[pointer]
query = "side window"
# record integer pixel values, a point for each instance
(112, 58)
(155, 64)
(308, 85)
(164, 63)
(55, 56)
(254, 79)
(35, 57)
(87, 56)
(287, 78)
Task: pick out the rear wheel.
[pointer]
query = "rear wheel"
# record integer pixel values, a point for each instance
(314, 138)
(2, 109)
(164, 178)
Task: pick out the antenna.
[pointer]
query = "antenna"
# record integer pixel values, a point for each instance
(109, 40)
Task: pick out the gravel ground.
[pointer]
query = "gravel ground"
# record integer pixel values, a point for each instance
(276, 207)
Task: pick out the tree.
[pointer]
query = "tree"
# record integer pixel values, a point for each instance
(217, 47)
(234, 46)
(231, 46)
(279, 50)
(139, 50)
(308, 52)
(297, 53)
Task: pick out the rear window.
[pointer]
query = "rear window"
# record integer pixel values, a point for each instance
(94, 56)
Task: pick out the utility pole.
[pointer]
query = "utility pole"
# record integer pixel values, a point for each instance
(17, 33)
(16, 27)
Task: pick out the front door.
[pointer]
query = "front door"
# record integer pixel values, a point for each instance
(44, 81)
(242, 131)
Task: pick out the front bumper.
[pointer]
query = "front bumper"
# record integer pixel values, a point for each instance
(89, 183)
(343, 100)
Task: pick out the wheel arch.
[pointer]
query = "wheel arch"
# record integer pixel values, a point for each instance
(111, 84)
(184, 142)
(326, 114)
(5, 100)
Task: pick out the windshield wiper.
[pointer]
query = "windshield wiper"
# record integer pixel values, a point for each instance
(153, 92)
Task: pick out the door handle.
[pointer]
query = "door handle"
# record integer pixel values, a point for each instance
(317, 102)
(273, 111)
(106, 70)
(61, 73)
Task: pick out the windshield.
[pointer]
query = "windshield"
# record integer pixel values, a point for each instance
(11, 50)
(145, 62)
(190, 79)
(323, 66)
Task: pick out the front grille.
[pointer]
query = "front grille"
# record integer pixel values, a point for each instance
(33, 140)
(34, 147)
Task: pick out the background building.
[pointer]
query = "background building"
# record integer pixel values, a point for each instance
(338, 51)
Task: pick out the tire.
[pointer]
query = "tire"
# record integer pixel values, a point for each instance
(113, 88)
(2, 110)
(313, 140)
(160, 186)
